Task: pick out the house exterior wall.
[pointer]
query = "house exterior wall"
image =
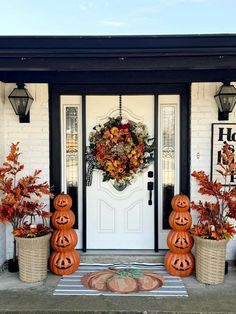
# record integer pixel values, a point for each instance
(204, 112)
(33, 138)
(2, 227)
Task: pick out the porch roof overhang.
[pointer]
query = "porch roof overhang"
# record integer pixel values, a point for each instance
(71, 59)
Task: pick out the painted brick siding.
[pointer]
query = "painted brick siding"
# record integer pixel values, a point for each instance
(2, 227)
(204, 112)
(33, 138)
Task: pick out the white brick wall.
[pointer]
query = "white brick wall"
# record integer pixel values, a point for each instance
(204, 112)
(2, 244)
(33, 137)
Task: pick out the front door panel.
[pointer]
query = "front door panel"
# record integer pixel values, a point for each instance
(120, 219)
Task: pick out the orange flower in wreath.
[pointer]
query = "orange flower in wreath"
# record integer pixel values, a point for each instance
(120, 148)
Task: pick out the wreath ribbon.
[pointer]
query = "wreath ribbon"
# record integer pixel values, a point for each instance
(91, 161)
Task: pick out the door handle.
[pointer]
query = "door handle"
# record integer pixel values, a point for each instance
(150, 189)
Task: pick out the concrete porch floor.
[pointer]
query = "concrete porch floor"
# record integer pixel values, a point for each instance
(19, 297)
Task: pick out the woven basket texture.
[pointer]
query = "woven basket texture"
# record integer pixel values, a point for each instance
(33, 257)
(210, 260)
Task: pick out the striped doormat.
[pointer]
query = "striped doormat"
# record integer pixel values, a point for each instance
(72, 285)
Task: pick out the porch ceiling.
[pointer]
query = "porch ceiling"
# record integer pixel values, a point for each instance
(68, 59)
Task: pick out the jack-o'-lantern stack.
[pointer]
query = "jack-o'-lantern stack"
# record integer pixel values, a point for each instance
(64, 260)
(179, 261)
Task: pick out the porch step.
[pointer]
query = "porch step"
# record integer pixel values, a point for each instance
(122, 256)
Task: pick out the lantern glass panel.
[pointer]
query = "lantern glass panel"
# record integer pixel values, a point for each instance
(226, 98)
(21, 101)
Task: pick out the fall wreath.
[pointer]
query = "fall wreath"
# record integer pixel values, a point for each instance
(120, 148)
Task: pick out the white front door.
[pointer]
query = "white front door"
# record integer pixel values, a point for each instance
(120, 219)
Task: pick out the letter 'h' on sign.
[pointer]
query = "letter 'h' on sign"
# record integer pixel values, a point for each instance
(222, 132)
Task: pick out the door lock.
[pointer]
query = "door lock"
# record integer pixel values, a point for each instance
(150, 174)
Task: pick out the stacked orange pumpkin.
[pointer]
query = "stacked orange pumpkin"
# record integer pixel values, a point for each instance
(179, 261)
(64, 260)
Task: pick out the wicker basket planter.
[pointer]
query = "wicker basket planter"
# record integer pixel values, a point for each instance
(33, 256)
(210, 260)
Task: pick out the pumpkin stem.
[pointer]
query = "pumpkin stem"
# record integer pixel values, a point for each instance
(130, 272)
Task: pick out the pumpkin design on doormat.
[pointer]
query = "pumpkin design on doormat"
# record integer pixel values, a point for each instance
(122, 280)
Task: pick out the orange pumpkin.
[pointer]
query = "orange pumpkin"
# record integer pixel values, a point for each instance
(63, 219)
(180, 221)
(180, 202)
(62, 202)
(179, 264)
(64, 240)
(64, 263)
(180, 241)
(122, 280)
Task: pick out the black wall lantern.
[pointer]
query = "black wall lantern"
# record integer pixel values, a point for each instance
(21, 101)
(225, 99)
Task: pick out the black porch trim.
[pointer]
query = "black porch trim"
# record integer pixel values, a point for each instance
(115, 89)
(37, 47)
(167, 76)
(156, 229)
(138, 89)
(185, 139)
(46, 45)
(84, 192)
(68, 59)
(116, 63)
(54, 143)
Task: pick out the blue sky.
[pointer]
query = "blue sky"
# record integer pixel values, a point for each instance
(113, 17)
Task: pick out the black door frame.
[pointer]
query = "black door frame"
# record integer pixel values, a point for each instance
(55, 91)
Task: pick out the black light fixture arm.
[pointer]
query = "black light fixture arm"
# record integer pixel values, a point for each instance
(20, 85)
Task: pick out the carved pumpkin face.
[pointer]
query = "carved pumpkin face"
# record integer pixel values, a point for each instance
(180, 203)
(64, 263)
(64, 240)
(180, 221)
(179, 264)
(179, 241)
(63, 220)
(62, 202)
